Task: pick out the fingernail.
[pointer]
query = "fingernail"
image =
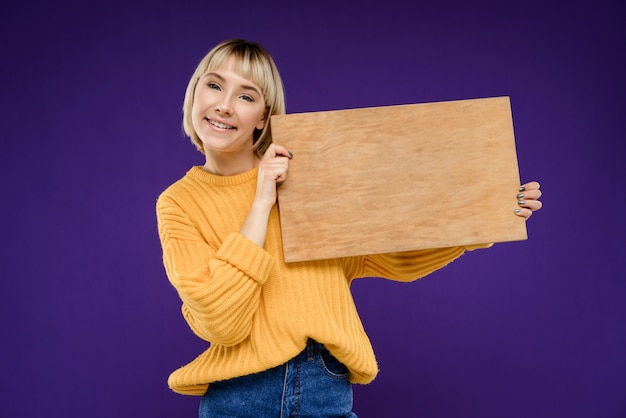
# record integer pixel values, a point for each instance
(521, 195)
(290, 154)
(517, 211)
(522, 188)
(520, 202)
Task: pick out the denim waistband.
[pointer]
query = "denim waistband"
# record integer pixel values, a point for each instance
(312, 347)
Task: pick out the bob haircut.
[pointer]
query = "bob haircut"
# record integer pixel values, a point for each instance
(254, 63)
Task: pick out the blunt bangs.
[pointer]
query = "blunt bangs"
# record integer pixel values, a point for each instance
(249, 64)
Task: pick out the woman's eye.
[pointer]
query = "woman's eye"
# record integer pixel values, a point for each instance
(247, 98)
(213, 86)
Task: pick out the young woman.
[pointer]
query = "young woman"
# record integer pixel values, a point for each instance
(285, 339)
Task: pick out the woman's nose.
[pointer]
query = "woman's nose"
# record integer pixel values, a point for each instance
(223, 108)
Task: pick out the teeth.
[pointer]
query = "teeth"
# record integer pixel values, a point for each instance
(220, 125)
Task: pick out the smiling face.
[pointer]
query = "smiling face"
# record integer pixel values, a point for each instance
(226, 110)
(250, 61)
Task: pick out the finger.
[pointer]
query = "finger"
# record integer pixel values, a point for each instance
(275, 169)
(532, 205)
(524, 213)
(533, 194)
(532, 185)
(270, 152)
(275, 173)
(275, 150)
(276, 165)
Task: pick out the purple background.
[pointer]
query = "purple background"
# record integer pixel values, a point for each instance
(91, 134)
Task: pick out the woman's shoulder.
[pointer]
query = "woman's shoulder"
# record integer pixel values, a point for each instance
(180, 189)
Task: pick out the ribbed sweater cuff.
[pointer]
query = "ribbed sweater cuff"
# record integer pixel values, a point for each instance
(247, 256)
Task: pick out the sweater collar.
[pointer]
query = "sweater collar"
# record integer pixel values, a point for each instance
(215, 180)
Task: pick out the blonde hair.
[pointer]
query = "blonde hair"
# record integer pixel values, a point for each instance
(256, 64)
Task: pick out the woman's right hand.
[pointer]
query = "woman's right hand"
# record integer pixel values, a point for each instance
(272, 171)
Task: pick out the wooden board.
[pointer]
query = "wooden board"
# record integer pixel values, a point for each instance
(397, 178)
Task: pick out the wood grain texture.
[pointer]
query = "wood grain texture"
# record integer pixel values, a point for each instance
(398, 178)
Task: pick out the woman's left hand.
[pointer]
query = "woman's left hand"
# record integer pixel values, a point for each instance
(528, 199)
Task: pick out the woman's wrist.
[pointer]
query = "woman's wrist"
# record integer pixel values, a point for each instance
(255, 226)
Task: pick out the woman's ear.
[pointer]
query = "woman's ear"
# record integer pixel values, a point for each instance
(261, 124)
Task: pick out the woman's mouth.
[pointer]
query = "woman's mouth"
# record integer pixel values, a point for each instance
(219, 124)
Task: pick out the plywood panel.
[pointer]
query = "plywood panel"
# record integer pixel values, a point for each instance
(398, 178)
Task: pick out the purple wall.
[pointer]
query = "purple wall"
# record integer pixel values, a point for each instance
(90, 123)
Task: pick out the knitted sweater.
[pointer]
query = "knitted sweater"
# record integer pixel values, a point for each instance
(255, 310)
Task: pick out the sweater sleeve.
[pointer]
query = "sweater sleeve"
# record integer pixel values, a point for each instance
(404, 266)
(220, 287)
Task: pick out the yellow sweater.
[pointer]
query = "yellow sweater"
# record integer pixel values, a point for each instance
(255, 310)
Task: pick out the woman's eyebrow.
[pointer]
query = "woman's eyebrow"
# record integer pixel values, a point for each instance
(216, 75)
(244, 86)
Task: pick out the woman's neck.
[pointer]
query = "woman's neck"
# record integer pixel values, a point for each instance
(230, 164)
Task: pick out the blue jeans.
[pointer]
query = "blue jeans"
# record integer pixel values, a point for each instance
(314, 384)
